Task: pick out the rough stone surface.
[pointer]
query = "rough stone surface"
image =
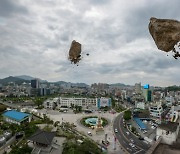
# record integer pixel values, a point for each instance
(165, 32)
(75, 52)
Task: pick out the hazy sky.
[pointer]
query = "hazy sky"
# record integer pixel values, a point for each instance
(35, 36)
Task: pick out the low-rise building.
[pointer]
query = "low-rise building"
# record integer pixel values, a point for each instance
(140, 105)
(16, 117)
(73, 101)
(169, 100)
(84, 102)
(51, 103)
(172, 115)
(103, 102)
(42, 141)
(168, 131)
(156, 110)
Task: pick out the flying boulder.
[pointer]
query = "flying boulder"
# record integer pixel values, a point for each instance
(166, 34)
(75, 52)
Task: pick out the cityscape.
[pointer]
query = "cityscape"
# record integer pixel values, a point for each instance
(46, 117)
(89, 77)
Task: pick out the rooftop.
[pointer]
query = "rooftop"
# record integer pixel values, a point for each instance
(42, 137)
(169, 126)
(15, 115)
(140, 123)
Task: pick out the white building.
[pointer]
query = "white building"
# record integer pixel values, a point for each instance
(169, 100)
(168, 131)
(140, 105)
(84, 102)
(51, 103)
(123, 94)
(156, 110)
(173, 114)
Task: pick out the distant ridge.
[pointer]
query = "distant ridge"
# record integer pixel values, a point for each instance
(72, 84)
(29, 78)
(9, 79)
(25, 77)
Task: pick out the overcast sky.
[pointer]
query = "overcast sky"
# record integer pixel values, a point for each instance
(35, 36)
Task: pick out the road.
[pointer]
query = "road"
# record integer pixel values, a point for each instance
(5, 147)
(124, 139)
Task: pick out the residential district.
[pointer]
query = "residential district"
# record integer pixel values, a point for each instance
(40, 117)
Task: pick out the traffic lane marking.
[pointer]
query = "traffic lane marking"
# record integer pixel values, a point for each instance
(123, 133)
(125, 145)
(124, 148)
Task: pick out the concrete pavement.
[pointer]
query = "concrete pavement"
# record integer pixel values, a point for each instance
(74, 118)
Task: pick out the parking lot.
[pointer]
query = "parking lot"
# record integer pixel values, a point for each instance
(149, 132)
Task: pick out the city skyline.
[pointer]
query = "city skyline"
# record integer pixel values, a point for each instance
(36, 36)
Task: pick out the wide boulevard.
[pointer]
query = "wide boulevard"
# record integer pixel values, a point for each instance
(124, 139)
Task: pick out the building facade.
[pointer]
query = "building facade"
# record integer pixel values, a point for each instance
(35, 83)
(51, 103)
(156, 110)
(137, 88)
(168, 131)
(84, 102)
(103, 102)
(16, 117)
(140, 105)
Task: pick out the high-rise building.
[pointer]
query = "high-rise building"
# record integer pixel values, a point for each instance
(138, 88)
(35, 83)
(147, 93)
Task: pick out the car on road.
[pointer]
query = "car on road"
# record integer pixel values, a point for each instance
(89, 133)
(115, 130)
(132, 145)
(127, 133)
(132, 140)
(153, 127)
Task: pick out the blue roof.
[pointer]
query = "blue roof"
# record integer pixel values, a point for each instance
(15, 115)
(140, 123)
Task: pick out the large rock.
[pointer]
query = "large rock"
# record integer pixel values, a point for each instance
(165, 32)
(75, 52)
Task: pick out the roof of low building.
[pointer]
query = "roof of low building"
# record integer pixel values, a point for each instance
(18, 116)
(43, 137)
(169, 126)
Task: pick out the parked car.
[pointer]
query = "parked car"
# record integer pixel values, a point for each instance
(89, 133)
(127, 133)
(116, 131)
(153, 127)
(145, 121)
(144, 131)
(132, 145)
(132, 140)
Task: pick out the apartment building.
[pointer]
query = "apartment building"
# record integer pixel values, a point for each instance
(156, 110)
